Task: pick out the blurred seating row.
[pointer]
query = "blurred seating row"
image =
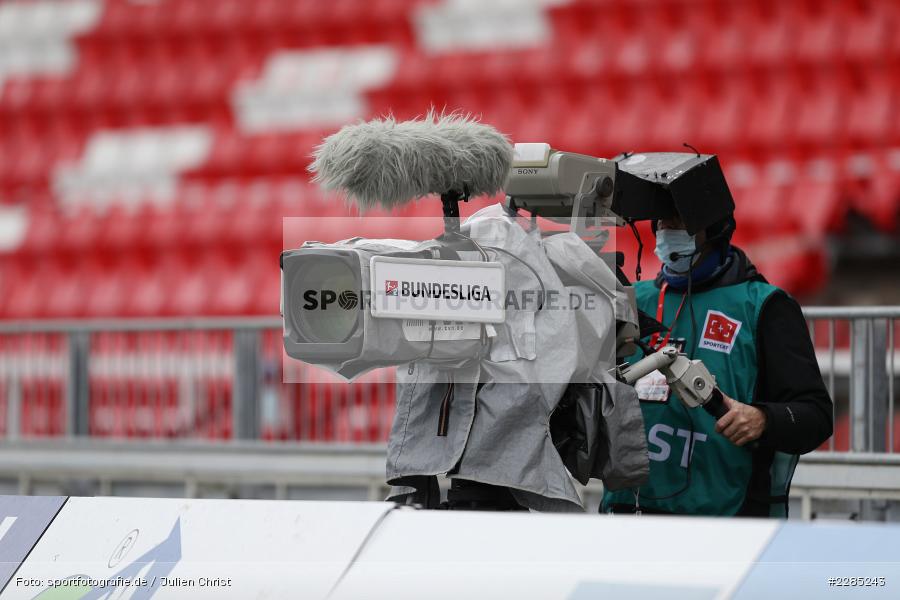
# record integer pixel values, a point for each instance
(216, 203)
(673, 35)
(32, 162)
(218, 253)
(733, 120)
(169, 285)
(336, 21)
(662, 34)
(829, 102)
(163, 270)
(713, 32)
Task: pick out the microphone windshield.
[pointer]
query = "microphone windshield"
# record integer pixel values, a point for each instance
(385, 163)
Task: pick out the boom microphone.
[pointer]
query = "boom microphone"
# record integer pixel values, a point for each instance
(385, 163)
(676, 255)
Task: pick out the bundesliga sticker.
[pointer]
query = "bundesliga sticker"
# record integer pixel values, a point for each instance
(719, 332)
(390, 287)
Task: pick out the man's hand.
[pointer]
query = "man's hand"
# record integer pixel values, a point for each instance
(742, 423)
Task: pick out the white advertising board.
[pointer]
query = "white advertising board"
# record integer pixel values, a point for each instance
(446, 290)
(99, 548)
(106, 548)
(456, 554)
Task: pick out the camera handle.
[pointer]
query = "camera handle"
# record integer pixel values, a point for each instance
(450, 203)
(690, 379)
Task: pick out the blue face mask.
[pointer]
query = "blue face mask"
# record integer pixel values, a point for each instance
(677, 241)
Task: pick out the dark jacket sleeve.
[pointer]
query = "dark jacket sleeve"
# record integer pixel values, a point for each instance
(789, 387)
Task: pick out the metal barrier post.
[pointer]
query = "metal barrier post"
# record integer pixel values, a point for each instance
(891, 373)
(878, 407)
(77, 388)
(245, 398)
(869, 389)
(14, 408)
(868, 399)
(859, 389)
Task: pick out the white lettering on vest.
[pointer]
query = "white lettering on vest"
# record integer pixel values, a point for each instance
(664, 448)
(698, 437)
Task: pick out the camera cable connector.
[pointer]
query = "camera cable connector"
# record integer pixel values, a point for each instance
(690, 379)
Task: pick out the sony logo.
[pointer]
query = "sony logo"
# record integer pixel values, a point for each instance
(526, 171)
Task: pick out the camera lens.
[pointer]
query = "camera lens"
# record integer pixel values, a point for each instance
(325, 300)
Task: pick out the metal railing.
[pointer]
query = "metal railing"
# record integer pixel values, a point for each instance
(856, 348)
(221, 379)
(214, 379)
(199, 405)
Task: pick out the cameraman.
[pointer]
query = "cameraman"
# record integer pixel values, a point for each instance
(753, 338)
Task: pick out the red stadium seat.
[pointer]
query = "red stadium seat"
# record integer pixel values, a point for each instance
(163, 226)
(816, 112)
(29, 287)
(770, 29)
(721, 28)
(123, 228)
(771, 112)
(721, 115)
(267, 294)
(877, 194)
(818, 32)
(628, 131)
(151, 290)
(675, 122)
(870, 106)
(44, 232)
(79, 231)
(190, 291)
(816, 204)
(866, 27)
(755, 205)
(66, 291)
(109, 287)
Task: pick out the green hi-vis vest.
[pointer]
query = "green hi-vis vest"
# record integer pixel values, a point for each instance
(725, 340)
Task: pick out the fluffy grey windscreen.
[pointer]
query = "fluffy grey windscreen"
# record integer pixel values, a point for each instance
(386, 163)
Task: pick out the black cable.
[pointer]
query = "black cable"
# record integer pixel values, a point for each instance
(640, 250)
(485, 341)
(690, 441)
(695, 259)
(689, 299)
(478, 246)
(687, 478)
(484, 258)
(645, 347)
(427, 355)
(530, 268)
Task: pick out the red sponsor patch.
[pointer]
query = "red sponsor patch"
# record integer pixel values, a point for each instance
(390, 287)
(719, 332)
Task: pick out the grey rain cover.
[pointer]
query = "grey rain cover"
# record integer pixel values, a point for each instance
(499, 434)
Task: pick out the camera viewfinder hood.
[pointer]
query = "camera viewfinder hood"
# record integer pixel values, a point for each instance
(659, 185)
